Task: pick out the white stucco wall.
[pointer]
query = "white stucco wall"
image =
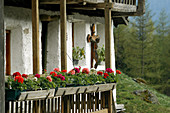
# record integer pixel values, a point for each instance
(81, 30)
(69, 46)
(19, 21)
(54, 46)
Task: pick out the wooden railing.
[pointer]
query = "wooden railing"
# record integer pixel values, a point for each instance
(128, 2)
(82, 99)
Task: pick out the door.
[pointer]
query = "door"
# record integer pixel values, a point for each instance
(8, 53)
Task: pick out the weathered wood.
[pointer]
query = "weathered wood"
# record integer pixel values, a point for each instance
(29, 107)
(141, 7)
(82, 89)
(68, 1)
(59, 104)
(72, 103)
(2, 59)
(55, 105)
(103, 102)
(109, 94)
(35, 95)
(101, 111)
(108, 59)
(21, 105)
(63, 28)
(35, 36)
(119, 7)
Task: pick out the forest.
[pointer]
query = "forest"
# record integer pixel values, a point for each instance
(143, 49)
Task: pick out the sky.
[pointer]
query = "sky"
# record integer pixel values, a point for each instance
(157, 5)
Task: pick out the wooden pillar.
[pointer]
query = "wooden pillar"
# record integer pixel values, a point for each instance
(35, 36)
(108, 32)
(141, 6)
(2, 70)
(63, 28)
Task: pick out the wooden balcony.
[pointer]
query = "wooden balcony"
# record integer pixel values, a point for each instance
(118, 7)
(82, 99)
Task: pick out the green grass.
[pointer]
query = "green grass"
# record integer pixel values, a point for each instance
(135, 104)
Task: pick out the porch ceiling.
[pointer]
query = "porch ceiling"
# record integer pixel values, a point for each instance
(89, 7)
(85, 7)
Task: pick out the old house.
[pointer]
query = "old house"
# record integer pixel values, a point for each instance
(40, 34)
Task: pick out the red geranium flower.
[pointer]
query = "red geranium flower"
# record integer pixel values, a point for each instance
(118, 72)
(59, 76)
(72, 72)
(16, 74)
(53, 73)
(109, 70)
(49, 78)
(85, 70)
(105, 75)
(64, 71)
(37, 75)
(24, 75)
(19, 79)
(100, 73)
(56, 69)
(77, 70)
(62, 78)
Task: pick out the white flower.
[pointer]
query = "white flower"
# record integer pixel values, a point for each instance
(35, 78)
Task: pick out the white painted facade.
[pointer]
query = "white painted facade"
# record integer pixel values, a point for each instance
(19, 22)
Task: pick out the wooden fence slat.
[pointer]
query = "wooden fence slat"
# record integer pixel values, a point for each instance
(55, 105)
(12, 106)
(16, 107)
(49, 105)
(52, 105)
(72, 103)
(21, 105)
(84, 102)
(25, 107)
(59, 104)
(29, 105)
(7, 107)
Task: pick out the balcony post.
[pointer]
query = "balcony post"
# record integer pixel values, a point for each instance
(63, 28)
(35, 36)
(108, 32)
(2, 59)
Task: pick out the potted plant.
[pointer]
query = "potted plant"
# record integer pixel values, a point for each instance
(78, 54)
(101, 54)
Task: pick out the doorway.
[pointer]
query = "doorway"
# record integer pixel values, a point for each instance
(8, 52)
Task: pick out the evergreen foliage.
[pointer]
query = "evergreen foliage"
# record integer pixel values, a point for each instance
(142, 49)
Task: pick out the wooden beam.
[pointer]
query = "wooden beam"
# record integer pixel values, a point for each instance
(58, 1)
(119, 7)
(2, 65)
(108, 29)
(35, 36)
(101, 111)
(63, 28)
(141, 7)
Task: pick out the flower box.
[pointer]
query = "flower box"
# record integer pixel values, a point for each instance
(11, 94)
(84, 89)
(59, 83)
